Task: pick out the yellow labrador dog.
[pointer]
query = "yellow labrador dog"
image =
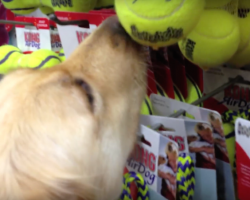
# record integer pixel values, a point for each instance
(66, 132)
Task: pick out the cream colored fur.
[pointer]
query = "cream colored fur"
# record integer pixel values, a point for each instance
(55, 145)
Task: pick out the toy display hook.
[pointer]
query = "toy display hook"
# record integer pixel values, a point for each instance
(237, 79)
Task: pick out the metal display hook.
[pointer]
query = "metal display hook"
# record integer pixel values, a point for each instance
(237, 79)
(54, 18)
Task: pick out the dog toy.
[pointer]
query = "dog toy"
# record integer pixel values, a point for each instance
(9, 56)
(62, 55)
(229, 133)
(213, 41)
(177, 93)
(244, 4)
(216, 4)
(4, 37)
(230, 117)
(46, 10)
(21, 7)
(242, 57)
(104, 3)
(193, 90)
(128, 178)
(185, 177)
(69, 6)
(40, 59)
(158, 23)
(147, 108)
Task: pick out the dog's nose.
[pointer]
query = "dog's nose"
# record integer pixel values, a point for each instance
(113, 24)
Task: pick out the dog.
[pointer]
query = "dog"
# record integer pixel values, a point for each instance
(67, 131)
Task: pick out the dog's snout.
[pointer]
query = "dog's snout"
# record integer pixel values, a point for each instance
(114, 26)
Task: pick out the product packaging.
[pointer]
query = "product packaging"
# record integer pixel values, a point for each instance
(32, 38)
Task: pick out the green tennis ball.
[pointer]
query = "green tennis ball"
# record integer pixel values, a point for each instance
(158, 23)
(213, 41)
(147, 108)
(216, 3)
(241, 57)
(9, 56)
(104, 3)
(23, 61)
(178, 95)
(70, 5)
(160, 91)
(62, 55)
(193, 91)
(244, 4)
(230, 141)
(40, 59)
(46, 10)
(21, 7)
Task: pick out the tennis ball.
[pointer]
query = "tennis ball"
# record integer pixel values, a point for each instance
(46, 10)
(158, 23)
(8, 58)
(241, 57)
(147, 108)
(244, 4)
(178, 95)
(62, 55)
(104, 3)
(213, 41)
(40, 59)
(230, 141)
(216, 3)
(193, 91)
(70, 6)
(21, 7)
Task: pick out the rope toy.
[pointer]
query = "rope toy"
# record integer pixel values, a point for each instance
(231, 116)
(128, 178)
(185, 177)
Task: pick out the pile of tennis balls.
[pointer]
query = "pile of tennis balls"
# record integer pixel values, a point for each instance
(207, 32)
(12, 58)
(50, 6)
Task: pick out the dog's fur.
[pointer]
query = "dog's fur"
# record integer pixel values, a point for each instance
(56, 144)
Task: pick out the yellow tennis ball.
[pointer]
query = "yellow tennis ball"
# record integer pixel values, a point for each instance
(21, 7)
(193, 91)
(158, 23)
(213, 41)
(147, 108)
(62, 55)
(241, 57)
(216, 3)
(40, 59)
(244, 4)
(104, 3)
(9, 56)
(69, 5)
(23, 61)
(230, 141)
(46, 10)
(178, 95)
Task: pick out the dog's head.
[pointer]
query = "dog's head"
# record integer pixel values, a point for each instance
(66, 132)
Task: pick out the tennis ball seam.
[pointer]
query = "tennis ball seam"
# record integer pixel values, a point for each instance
(6, 57)
(157, 18)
